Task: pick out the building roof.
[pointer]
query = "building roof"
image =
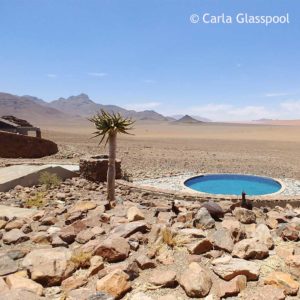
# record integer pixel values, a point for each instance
(8, 123)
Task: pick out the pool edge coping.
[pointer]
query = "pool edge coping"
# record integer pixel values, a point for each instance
(282, 184)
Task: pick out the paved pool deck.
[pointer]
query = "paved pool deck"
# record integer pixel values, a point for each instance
(176, 184)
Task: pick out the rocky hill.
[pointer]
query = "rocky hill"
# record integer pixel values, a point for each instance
(188, 120)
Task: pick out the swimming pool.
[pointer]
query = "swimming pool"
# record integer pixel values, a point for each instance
(233, 184)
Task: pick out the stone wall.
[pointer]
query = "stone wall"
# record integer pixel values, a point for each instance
(20, 146)
(95, 168)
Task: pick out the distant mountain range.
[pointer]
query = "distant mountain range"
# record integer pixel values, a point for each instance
(74, 108)
(81, 106)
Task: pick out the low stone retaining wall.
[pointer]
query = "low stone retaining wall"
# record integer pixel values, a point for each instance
(95, 168)
(20, 146)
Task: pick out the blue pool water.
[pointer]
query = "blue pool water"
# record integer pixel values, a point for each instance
(228, 184)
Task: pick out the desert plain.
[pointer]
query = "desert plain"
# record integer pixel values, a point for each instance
(162, 149)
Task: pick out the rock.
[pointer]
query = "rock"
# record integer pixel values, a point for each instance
(58, 242)
(41, 238)
(144, 262)
(214, 209)
(228, 268)
(166, 257)
(82, 206)
(271, 223)
(73, 282)
(2, 223)
(100, 296)
(163, 278)
(244, 215)
(140, 296)
(192, 233)
(235, 229)
(113, 249)
(7, 265)
(284, 251)
(115, 283)
(69, 233)
(288, 232)
(14, 236)
(49, 266)
(84, 236)
(262, 234)
(81, 294)
(293, 263)
(61, 196)
(134, 214)
(265, 292)
(17, 294)
(232, 287)
(14, 224)
(283, 281)
(195, 281)
(168, 297)
(200, 247)
(126, 230)
(3, 286)
(203, 219)
(184, 217)
(221, 240)
(19, 282)
(48, 220)
(250, 249)
(96, 264)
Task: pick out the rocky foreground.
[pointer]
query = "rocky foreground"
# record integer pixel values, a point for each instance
(146, 248)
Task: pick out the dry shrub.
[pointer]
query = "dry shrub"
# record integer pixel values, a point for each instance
(49, 180)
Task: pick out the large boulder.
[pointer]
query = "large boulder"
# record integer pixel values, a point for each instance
(19, 282)
(163, 278)
(250, 249)
(14, 236)
(221, 240)
(115, 284)
(244, 215)
(203, 219)
(113, 249)
(283, 281)
(227, 268)
(195, 281)
(214, 209)
(49, 266)
(7, 265)
(262, 292)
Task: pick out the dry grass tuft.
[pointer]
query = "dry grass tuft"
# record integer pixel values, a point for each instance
(81, 259)
(37, 201)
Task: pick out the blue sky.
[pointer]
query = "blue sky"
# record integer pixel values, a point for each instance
(148, 55)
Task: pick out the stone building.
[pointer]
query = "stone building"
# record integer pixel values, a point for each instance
(19, 126)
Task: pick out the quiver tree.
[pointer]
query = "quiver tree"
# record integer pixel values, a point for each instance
(108, 125)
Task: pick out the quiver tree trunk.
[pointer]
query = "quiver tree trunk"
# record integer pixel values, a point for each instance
(111, 171)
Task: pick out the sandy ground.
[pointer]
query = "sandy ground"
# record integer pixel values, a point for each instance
(161, 149)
